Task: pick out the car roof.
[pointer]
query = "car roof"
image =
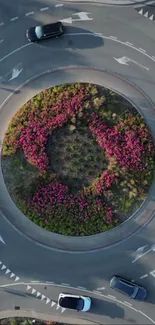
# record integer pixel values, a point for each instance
(123, 285)
(69, 302)
(53, 27)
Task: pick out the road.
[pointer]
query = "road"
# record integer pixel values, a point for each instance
(93, 45)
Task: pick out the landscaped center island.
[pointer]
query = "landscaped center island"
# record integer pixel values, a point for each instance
(77, 159)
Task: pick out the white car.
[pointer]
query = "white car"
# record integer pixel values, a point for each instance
(79, 303)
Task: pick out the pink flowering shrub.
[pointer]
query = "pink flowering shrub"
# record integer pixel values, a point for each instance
(126, 143)
(54, 201)
(129, 143)
(31, 132)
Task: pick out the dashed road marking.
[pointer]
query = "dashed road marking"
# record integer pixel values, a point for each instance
(97, 292)
(129, 43)
(59, 5)
(142, 49)
(45, 8)
(29, 13)
(65, 284)
(113, 37)
(113, 297)
(14, 18)
(53, 303)
(126, 302)
(102, 288)
(144, 276)
(34, 281)
(1, 24)
(81, 287)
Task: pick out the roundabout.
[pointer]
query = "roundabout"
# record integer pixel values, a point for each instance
(30, 259)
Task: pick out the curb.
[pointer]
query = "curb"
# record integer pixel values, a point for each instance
(119, 3)
(92, 243)
(46, 317)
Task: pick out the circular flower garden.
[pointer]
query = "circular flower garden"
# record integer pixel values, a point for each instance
(77, 159)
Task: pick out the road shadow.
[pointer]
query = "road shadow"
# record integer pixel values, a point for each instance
(109, 309)
(73, 38)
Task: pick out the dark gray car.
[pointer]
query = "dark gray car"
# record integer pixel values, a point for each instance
(38, 33)
(128, 288)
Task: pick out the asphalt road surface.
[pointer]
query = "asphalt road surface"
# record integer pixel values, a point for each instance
(93, 44)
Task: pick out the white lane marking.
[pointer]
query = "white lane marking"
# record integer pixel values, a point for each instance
(144, 276)
(81, 287)
(18, 49)
(43, 297)
(97, 292)
(57, 307)
(113, 297)
(113, 37)
(3, 267)
(153, 273)
(29, 13)
(38, 294)
(14, 18)
(142, 49)
(124, 61)
(12, 275)
(129, 43)
(127, 303)
(139, 252)
(62, 310)
(87, 291)
(1, 239)
(15, 73)
(59, 5)
(1, 42)
(34, 281)
(47, 300)
(27, 288)
(45, 8)
(65, 284)
(17, 278)
(49, 282)
(153, 246)
(53, 303)
(33, 291)
(102, 288)
(1, 24)
(115, 40)
(7, 271)
(146, 316)
(83, 16)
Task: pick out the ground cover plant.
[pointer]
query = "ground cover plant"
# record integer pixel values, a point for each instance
(77, 159)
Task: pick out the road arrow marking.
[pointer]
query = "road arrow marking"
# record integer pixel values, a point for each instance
(15, 73)
(53, 303)
(124, 60)
(153, 273)
(3, 267)
(1, 239)
(143, 254)
(83, 16)
(28, 288)
(38, 294)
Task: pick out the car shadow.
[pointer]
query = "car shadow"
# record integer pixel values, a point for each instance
(109, 309)
(73, 38)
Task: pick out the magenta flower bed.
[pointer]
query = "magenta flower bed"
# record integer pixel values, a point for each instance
(127, 146)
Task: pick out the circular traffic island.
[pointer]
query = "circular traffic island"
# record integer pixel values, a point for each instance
(77, 159)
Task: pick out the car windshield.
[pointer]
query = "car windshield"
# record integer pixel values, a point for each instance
(39, 31)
